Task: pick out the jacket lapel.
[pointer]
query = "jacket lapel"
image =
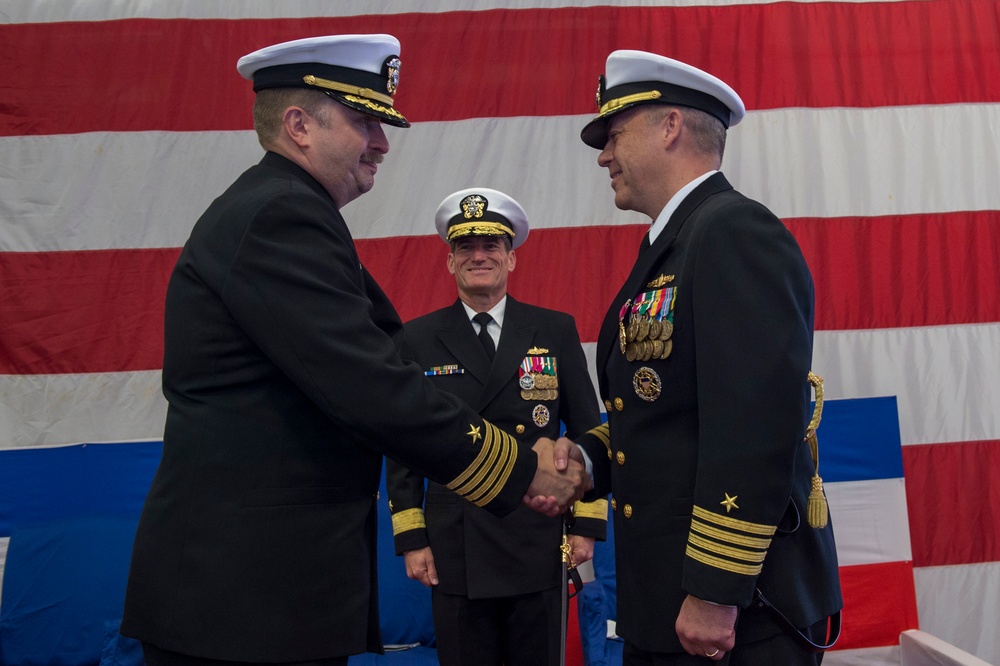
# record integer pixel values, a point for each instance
(458, 337)
(515, 339)
(646, 264)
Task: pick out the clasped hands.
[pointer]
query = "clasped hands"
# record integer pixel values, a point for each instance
(560, 478)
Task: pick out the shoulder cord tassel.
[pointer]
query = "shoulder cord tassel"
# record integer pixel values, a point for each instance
(818, 512)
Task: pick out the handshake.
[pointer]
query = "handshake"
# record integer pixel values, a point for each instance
(560, 478)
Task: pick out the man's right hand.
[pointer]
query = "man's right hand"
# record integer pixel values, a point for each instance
(560, 478)
(420, 566)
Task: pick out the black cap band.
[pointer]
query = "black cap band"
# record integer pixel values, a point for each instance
(293, 76)
(669, 94)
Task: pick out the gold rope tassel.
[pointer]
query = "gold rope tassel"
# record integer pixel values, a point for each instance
(818, 512)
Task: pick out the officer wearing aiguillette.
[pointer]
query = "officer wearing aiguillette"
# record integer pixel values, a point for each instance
(703, 361)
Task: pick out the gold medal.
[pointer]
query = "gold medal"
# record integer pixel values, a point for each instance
(657, 348)
(654, 329)
(643, 332)
(630, 350)
(527, 394)
(633, 329)
(668, 347)
(646, 384)
(621, 336)
(667, 329)
(647, 350)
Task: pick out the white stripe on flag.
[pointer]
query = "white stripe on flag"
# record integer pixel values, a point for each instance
(55, 410)
(869, 520)
(94, 10)
(883, 161)
(956, 604)
(944, 377)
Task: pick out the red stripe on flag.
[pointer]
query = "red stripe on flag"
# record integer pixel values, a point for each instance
(880, 601)
(903, 270)
(64, 311)
(950, 488)
(96, 311)
(180, 74)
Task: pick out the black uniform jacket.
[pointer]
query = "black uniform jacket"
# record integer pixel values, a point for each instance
(257, 539)
(704, 450)
(478, 554)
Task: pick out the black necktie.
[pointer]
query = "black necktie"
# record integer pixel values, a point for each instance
(483, 319)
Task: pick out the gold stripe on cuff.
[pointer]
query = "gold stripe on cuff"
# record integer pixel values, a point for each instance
(404, 521)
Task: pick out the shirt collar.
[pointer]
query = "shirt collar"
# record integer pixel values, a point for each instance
(497, 311)
(675, 201)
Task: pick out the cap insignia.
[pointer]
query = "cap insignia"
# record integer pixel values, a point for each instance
(473, 206)
(393, 65)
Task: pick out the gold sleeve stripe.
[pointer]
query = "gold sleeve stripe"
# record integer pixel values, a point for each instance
(492, 448)
(733, 523)
(487, 476)
(603, 433)
(596, 509)
(497, 478)
(722, 535)
(404, 521)
(725, 565)
(750, 556)
(468, 471)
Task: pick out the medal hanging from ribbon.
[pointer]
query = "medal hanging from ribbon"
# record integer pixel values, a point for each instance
(650, 325)
(538, 378)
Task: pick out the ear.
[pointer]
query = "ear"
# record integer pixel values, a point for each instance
(670, 126)
(511, 261)
(296, 123)
(451, 263)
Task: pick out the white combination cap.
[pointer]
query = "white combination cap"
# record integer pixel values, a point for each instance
(480, 211)
(359, 71)
(637, 77)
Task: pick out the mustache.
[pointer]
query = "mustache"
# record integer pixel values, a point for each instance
(373, 157)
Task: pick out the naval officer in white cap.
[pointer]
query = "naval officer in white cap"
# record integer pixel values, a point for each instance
(703, 362)
(497, 583)
(257, 539)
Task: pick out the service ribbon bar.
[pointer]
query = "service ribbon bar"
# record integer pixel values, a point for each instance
(444, 370)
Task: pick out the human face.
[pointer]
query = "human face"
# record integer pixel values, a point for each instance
(347, 149)
(481, 265)
(635, 159)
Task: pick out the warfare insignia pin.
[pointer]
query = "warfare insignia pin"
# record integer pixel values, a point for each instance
(646, 384)
(540, 415)
(660, 281)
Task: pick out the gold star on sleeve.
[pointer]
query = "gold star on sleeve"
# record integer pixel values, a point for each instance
(474, 433)
(729, 502)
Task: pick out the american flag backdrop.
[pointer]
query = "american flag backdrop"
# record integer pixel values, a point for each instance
(873, 131)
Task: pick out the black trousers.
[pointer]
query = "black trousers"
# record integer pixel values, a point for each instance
(508, 631)
(779, 650)
(157, 657)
